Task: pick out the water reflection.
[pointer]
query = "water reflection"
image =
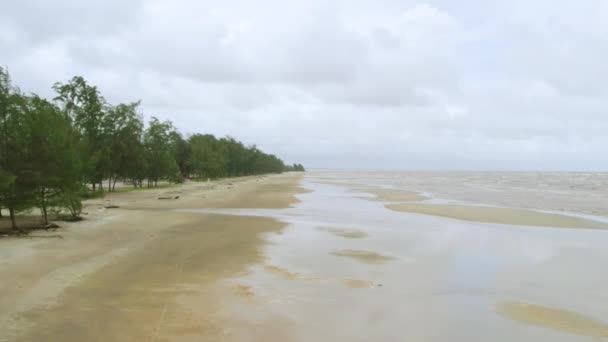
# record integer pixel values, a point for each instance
(443, 281)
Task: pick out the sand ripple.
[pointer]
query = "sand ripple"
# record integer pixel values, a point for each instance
(368, 257)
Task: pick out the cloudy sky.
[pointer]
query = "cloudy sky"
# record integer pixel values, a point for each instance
(444, 84)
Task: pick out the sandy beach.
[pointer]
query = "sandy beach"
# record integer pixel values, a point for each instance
(325, 256)
(141, 272)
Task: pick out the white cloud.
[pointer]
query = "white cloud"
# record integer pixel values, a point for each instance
(361, 83)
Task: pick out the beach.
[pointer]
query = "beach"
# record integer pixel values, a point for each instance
(121, 274)
(324, 256)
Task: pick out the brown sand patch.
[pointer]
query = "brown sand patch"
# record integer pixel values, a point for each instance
(357, 283)
(345, 233)
(381, 194)
(510, 216)
(558, 319)
(277, 193)
(286, 274)
(368, 257)
(122, 301)
(244, 291)
(282, 273)
(270, 192)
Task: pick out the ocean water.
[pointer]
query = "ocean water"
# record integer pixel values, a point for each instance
(348, 269)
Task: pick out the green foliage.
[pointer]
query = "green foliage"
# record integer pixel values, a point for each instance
(87, 109)
(226, 157)
(182, 152)
(16, 177)
(160, 160)
(49, 150)
(71, 200)
(6, 181)
(124, 131)
(295, 167)
(207, 158)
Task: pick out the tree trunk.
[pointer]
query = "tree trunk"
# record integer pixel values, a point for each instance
(114, 185)
(94, 185)
(101, 185)
(0, 211)
(11, 212)
(45, 216)
(110, 184)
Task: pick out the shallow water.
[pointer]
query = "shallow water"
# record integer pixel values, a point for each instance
(417, 277)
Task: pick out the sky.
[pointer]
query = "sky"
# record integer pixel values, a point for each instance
(378, 84)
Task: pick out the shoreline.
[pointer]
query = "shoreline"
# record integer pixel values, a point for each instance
(498, 215)
(406, 200)
(122, 271)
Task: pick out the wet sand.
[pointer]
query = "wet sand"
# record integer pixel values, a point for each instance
(507, 216)
(140, 272)
(563, 320)
(381, 194)
(284, 273)
(345, 233)
(368, 257)
(358, 284)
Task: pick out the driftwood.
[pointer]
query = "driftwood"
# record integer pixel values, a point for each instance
(40, 236)
(112, 207)
(169, 198)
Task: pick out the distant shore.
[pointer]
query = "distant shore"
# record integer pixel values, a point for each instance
(407, 200)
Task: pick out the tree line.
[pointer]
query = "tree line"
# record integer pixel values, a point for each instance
(54, 153)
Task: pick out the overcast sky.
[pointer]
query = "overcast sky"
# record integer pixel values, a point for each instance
(445, 84)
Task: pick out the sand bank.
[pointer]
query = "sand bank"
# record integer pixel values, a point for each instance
(345, 233)
(381, 194)
(394, 195)
(368, 257)
(142, 272)
(558, 319)
(509, 216)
